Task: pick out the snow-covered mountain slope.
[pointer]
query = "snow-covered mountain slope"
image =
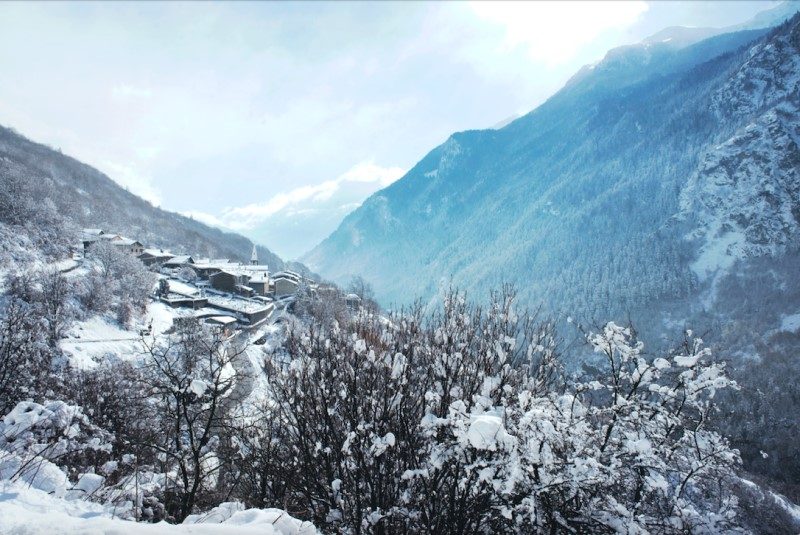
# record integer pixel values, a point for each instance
(744, 198)
(616, 196)
(46, 196)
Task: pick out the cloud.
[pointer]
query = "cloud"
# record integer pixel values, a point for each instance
(293, 221)
(554, 32)
(208, 219)
(359, 181)
(125, 91)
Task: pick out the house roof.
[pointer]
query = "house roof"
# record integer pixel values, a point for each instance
(157, 253)
(214, 264)
(183, 259)
(125, 241)
(92, 231)
(260, 277)
(287, 275)
(236, 304)
(221, 320)
(223, 272)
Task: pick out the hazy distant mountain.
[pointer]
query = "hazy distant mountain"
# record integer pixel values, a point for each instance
(505, 122)
(681, 36)
(47, 196)
(662, 182)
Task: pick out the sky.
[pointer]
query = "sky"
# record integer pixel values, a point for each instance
(277, 119)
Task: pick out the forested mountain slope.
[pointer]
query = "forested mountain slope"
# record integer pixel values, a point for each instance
(649, 185)
(46, 197)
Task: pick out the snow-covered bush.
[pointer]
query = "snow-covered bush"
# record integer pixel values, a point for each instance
(25, 356)
(38, 439)
(463, 422)
(50, 295)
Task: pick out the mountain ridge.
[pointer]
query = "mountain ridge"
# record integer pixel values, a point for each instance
(77, 195)
(533, 201)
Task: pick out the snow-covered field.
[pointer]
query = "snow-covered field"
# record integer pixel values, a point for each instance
(88, 342)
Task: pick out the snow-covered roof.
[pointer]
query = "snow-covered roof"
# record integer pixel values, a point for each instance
(262, 277)
(222, 320)
(213, 264)
(206, 312)
(92, 231)
(224, 272)
(125, 241)
(256, 269)
(158, 253)
(290, 275)
(235, 304)
(183, 259)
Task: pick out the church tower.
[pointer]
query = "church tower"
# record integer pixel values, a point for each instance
(254, 257)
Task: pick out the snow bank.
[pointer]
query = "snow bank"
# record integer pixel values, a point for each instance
(27, 511)
(234, 514)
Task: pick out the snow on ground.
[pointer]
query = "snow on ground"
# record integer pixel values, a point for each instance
(90, 341)
(68, 264)
(161, 316)
(791, 322)
(717, 254)
(273, 338)
(789, 507)
(28, 511)
(780, 500)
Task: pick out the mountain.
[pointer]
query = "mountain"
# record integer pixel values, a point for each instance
(663, 182)
(681, 36)
(46, 197)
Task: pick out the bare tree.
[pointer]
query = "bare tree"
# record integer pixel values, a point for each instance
(191, 378)
(363, 289)
(124, 277)
(55, 292)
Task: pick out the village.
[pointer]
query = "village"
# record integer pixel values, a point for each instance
(228, 295)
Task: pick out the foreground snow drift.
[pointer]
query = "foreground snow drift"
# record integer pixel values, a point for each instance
(28, 511)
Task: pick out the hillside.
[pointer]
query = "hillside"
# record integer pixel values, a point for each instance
(46, 197)
(657, 176)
